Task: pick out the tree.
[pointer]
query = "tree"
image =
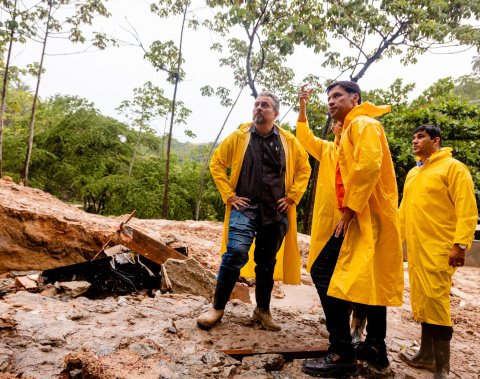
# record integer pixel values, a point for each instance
(84, 12)
(379, 29)
(159, 55)
(14, 32)
(149, 103)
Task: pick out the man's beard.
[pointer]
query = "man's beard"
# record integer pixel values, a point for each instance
(259, 119)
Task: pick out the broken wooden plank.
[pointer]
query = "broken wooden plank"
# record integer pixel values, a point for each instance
(288, 354)
(145, 245)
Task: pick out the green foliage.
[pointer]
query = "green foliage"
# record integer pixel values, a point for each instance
(468, 88)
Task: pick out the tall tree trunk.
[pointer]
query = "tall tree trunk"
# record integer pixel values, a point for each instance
(135, 151)
(307, 220)
(4, 89)
(200, 191)
(34, 106)
(167, 165)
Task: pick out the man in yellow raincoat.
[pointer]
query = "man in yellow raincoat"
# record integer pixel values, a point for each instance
(362, 261)
(269, 174)
(438, 217)
(326, 214)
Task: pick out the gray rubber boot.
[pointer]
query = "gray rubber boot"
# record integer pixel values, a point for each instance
(441, 351)
(424, 358)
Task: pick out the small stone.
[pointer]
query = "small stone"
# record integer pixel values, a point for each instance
(229, 371)
(8, 179)
(49, 291)
(6, 357)
(168, 370)
(103, 352)
(215, 370)
(215, 358)
(46, 348)
(75, 288)
(172, 330)
(144, 350)
(14, 274)
(269, 362)
(71, 217)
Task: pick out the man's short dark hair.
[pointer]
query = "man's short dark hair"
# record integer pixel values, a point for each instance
(348, 86)
(432, 130)
(276, 100)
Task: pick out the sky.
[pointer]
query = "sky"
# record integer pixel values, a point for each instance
(108, 77)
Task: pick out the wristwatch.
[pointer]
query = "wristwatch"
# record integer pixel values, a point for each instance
(461, 246)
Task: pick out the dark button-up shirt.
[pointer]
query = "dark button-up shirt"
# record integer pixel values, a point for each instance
(262, 178)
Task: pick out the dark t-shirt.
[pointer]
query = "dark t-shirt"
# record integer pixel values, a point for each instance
(262, 177)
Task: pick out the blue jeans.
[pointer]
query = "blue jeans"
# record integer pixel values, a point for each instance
(241, 232)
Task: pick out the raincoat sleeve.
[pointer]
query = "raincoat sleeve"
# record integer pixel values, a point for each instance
(312, 144)
(401, 212)
(222, 158)
(462, 193)
(301, 172)
(367, 161)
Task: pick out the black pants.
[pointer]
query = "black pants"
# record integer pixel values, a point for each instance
(439, 332)
(336, 310)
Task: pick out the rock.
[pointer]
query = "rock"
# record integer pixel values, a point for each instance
(46, 348)
(269, 362)
(257, 374)
(6, 282)
(368, 371)
(49, 291)
(229, 371)
(6, 357)
(71, 217)
(248, 281)
(103, 352)
(14, 274)
(172, 330)
(168, 370)
(50, 336)
(144, 350)
(216, 358)
(175, 237)
(8, 179)
(76, 288)
(189, 276)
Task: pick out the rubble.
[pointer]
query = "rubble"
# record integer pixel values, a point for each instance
(269, 362)
(75, 288)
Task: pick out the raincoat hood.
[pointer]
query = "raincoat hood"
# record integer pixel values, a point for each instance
(365, 109)
(439, 154)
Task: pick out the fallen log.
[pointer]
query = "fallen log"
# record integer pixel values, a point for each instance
(145, 245)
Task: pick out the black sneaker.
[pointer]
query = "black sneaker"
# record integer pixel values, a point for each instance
(374, 355)
(331, 365)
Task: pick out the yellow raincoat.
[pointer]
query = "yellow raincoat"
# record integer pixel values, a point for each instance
(369, 269)
(297, 172)
(438, 209)
(325, 211)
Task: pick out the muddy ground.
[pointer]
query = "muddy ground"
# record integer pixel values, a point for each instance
(140, 336)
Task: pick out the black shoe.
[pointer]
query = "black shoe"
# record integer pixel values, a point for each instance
(375, 355)
(331, 365)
